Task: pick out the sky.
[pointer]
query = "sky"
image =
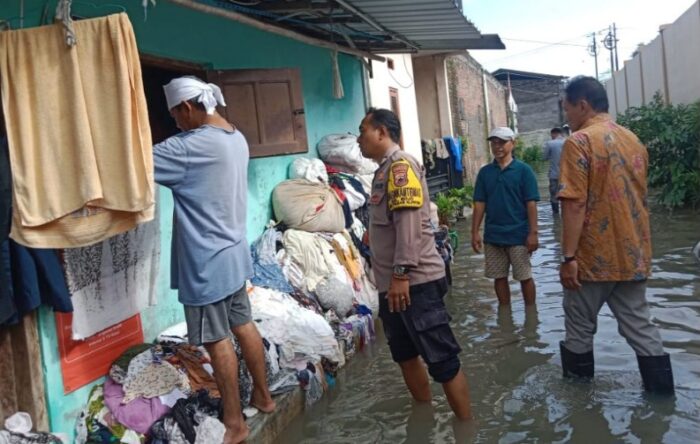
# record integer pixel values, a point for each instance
(568, 23)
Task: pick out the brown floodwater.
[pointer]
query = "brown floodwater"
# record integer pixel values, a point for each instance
(511, 358)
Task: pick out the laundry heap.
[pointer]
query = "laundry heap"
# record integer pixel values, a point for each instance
(312, 298)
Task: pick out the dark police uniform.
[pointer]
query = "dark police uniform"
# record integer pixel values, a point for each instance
(400, 234)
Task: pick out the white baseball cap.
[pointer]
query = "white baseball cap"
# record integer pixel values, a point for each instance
(502, 132)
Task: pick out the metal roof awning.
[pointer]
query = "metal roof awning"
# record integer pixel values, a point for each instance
(428, 25)
(360, 27)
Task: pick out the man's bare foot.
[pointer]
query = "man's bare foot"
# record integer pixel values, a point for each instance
(236, 435)
(262, 401)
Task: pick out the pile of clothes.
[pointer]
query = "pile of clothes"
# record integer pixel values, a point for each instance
(143, 385)
(166, 392)
(312, 298)
(301, 335)
(311, 252)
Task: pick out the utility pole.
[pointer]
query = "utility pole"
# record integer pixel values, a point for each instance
(593, 51)
(617, 65)
(610, 44)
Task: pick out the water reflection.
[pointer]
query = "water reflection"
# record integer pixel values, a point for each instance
(511, 357)
(420, 423)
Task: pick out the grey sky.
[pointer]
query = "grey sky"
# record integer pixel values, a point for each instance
(569, 23)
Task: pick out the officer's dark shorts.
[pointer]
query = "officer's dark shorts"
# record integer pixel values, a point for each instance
(423, 329)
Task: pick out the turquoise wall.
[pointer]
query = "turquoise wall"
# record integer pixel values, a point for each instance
(179, 33)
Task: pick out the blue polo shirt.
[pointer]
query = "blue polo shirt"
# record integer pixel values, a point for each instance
(506, 193)
(207, 171)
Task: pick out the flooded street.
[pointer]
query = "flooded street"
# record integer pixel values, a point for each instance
(511, 358)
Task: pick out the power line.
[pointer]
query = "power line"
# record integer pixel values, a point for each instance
(543, 42)
(405, 67)
(541, 48)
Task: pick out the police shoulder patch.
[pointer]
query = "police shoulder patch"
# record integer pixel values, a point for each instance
(404, 188)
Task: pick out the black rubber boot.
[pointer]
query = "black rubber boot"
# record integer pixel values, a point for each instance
(657, 374)
(576, 364)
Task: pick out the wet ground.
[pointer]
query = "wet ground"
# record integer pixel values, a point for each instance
(511, 358)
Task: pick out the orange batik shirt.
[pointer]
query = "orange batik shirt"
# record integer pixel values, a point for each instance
(605, 166)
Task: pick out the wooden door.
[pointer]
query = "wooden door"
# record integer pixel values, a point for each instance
(21, 374)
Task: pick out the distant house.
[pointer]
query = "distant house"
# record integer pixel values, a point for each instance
(538, 97)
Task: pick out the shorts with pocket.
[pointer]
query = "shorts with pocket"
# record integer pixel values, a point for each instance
(423, 328)
(213, 322)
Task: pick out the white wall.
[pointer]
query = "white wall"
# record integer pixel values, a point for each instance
(653, 69)
(426, 96)
(432, 95)
(682, 41)
(401, 78)
(633, 70)
(610, 88)
(621, 88)
(669, 64)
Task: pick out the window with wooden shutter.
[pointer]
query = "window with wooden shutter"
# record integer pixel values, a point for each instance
(267, 106)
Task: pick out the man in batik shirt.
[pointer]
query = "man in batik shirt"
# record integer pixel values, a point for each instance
(606, 241)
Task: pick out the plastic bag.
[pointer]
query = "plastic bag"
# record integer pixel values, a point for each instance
(310, 169)
(343, 152)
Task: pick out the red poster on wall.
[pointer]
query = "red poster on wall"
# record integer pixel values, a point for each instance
(84, 361)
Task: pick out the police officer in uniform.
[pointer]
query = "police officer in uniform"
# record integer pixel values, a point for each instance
(409, 272)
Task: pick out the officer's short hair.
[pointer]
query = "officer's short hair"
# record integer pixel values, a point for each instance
(388, 119)
(590, 90)
(556, 130)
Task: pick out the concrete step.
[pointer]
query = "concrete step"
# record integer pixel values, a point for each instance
(266, 428)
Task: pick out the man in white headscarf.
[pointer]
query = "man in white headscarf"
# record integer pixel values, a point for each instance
(191, 89)
(205, 166)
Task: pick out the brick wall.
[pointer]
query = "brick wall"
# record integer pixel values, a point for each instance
(469, 119)
(538, 103)
(498, 97)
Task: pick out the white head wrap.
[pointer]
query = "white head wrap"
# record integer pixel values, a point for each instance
(187, 88)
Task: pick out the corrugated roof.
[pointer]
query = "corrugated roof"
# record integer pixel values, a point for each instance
(428, 24)
(374, 26)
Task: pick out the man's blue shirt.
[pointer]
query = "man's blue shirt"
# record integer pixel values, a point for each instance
(207, 171)
(506, 193)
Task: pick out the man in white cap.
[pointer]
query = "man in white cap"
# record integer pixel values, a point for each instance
(206, 166)
(506, 191)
